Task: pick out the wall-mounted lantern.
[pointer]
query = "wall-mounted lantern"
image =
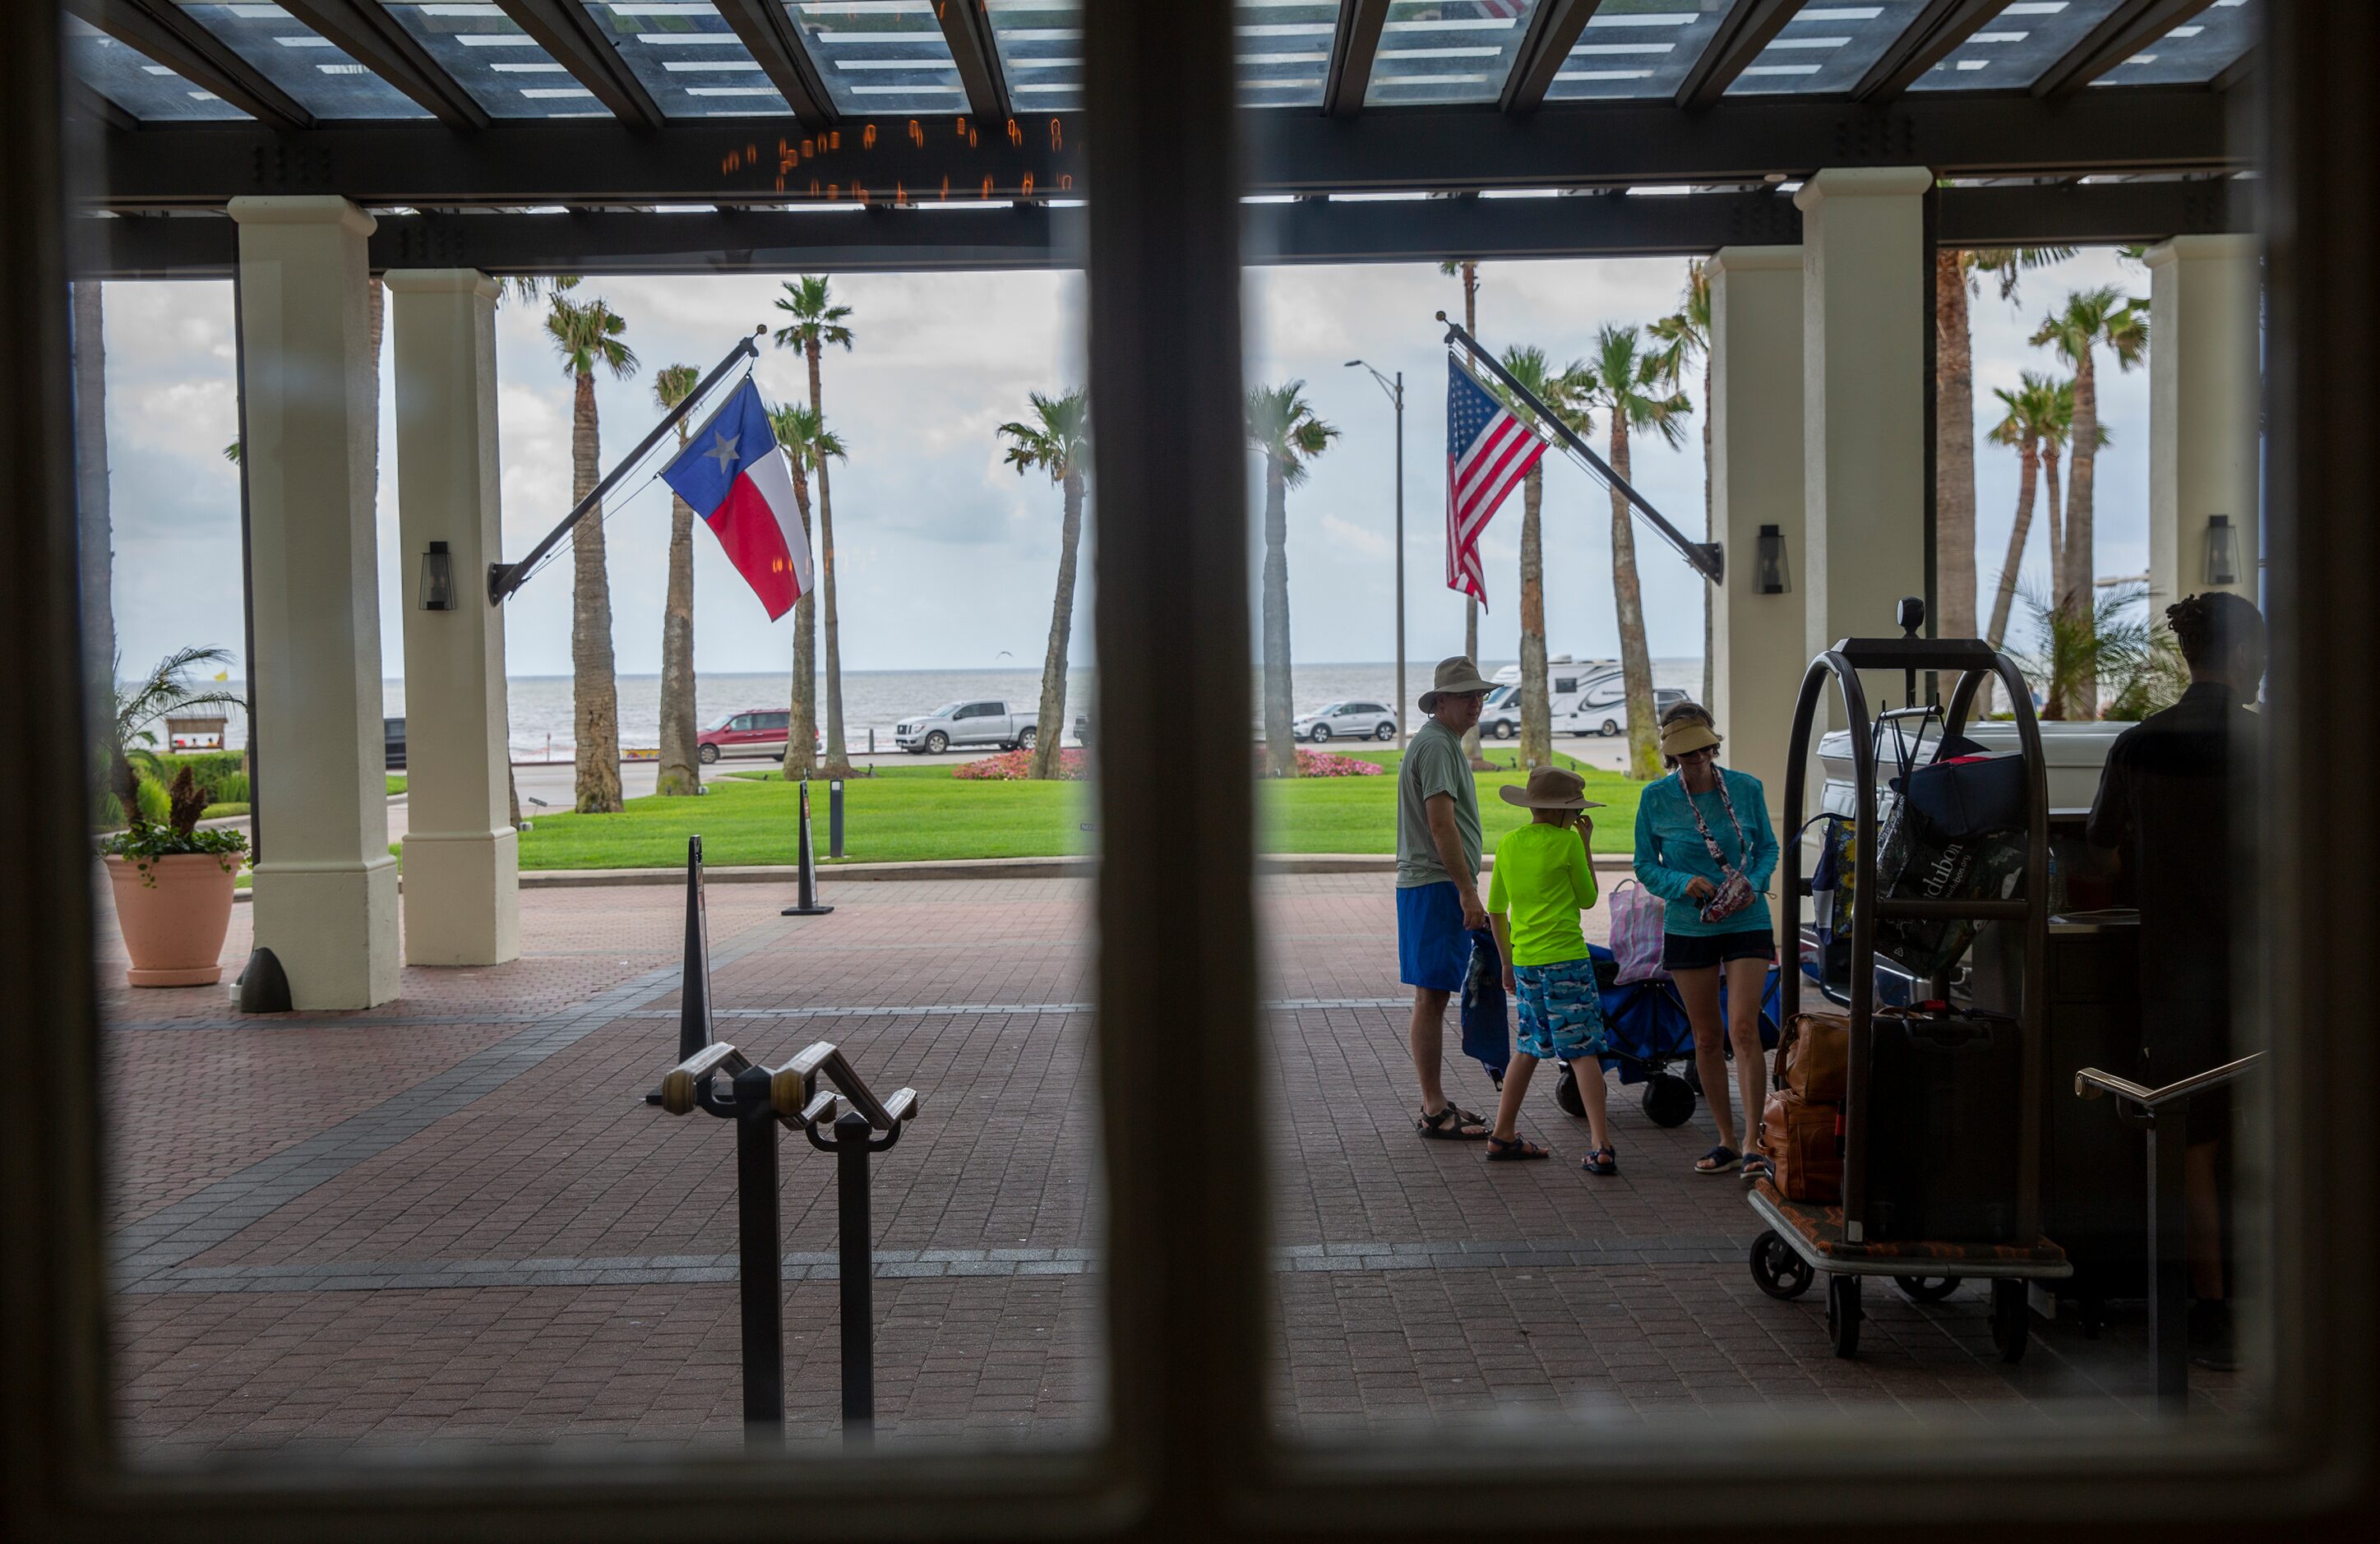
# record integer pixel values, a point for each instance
(2222, 549)
(1772, 561)
(437, 578)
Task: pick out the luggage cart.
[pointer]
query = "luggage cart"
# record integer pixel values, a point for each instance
(1805, 1240)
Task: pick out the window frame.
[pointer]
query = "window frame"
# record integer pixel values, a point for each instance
(1190, 1450)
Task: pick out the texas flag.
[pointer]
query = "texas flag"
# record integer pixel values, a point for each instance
(736, 477)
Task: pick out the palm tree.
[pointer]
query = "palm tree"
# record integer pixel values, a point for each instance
(1558, 389)
(2091, 317)
(518, 286)
(810, 445)
(676, 776)
(2031, 417)
(1466, 269)
(1284, 430)
(2080, 647)
(817, 322)
(130, 711)
(587, 337)
(1957, 276)
(1625, 382)
(1056, 442)
(1687, 332)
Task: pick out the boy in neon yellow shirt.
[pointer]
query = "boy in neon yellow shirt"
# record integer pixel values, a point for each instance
(1541, 882)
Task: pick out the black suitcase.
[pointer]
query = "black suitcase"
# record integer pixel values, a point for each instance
(1942, 1107)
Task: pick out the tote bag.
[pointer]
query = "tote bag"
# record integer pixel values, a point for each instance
(1638, 916)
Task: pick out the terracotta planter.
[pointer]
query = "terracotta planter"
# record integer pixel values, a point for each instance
(174, 928)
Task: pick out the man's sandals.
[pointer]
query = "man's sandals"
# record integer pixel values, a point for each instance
(1452, 1123)
(1513, 1151)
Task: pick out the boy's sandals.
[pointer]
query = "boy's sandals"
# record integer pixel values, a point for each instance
(1452, 1123)
(1719, 1161)
(1602, 1160)
(1513, 1152)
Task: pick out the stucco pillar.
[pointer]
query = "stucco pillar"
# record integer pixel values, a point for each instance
(462, 860)
(1865, 311)
(1758, 641)
(326, 887)
(2204, 410)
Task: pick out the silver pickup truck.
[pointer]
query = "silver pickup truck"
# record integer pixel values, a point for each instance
(965, 724)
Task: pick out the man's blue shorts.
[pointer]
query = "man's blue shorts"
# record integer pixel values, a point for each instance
(1433, 948)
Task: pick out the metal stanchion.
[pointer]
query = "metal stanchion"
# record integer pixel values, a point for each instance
(2168, 1265)
(760, 1260)
(834, 818)
(694, 981)
(855, 1269)
(806, 901)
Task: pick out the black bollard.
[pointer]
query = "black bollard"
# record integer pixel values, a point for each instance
(834, 818)
(806, 901)
(694, 981)
(759, 1260)
(856, 1270)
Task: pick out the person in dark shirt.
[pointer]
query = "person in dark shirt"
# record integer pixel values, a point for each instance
(2177, 802)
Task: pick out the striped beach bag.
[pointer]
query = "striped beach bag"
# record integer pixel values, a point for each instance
(1636, 927)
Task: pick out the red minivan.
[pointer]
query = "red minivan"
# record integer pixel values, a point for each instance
(749, 732)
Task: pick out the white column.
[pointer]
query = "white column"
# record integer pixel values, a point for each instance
(2204, 405)
(462, 861)
(1758, 641)
(326, 888)
(1865, 306)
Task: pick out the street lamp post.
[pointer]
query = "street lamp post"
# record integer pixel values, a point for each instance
(1396, 393)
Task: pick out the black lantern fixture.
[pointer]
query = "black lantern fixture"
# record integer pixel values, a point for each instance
(437, 578)
(1772, 561)
(2222, 549)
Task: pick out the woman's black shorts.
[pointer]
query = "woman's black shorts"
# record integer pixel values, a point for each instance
(1702, 951)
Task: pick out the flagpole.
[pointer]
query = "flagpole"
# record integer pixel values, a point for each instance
(1708, 557)
(505, 577)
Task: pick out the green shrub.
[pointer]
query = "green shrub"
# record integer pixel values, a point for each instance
(231, 788)
(214, 770)
(156, 805)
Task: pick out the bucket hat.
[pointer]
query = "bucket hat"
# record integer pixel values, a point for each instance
(1455, 676)
(1550, 788)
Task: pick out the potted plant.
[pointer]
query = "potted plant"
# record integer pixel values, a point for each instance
(173, 886)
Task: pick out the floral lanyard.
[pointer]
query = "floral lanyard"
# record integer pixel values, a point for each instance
(1742, 843)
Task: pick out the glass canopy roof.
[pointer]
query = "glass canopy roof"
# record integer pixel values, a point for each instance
(886, 57)
(880, 55)
(688, 59)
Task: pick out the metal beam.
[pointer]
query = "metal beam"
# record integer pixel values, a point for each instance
(770, 39)
(1925, 42)
(378, 43)
(1554, 28)
(578, 44)
(1582, 145)
(880, 239)
(1353, 48)
(2124, 31)
(1735, 43)
(967, 29)
(81, 101)
(165, 35)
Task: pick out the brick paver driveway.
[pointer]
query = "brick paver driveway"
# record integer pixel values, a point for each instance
(454, 1217)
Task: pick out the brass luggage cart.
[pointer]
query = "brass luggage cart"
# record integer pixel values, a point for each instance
(1804, 1240)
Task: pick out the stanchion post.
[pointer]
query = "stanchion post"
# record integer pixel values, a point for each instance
(834, 818)
(856, 1270)
(806, 901)
(2168, 1326)
(694, 983)
(759, 1262)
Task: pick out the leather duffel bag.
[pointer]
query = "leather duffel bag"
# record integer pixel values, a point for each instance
(1814, 1057)
(1801, 1145)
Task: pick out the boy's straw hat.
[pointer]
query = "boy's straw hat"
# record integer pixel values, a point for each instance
(1550, 788)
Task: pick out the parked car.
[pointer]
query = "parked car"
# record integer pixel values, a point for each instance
(393, 741)
(965, 724)
(1603, 708)
(1345, 720)
(749, 732)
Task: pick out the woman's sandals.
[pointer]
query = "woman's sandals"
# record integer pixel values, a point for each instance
(1602, 1160)
(1452, 1123)
(1513, 1151)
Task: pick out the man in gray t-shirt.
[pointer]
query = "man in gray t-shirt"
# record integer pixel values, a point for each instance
(1437, 881)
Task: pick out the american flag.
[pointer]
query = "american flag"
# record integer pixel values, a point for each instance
(1488, 451)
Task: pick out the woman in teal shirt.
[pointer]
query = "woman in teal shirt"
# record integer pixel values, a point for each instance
(1699, 832)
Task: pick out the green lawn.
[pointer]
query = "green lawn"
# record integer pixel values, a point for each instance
(911, 813)
(395, 782)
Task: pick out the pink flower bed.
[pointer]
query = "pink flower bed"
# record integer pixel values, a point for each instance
(1324, 763)
(1017, 765)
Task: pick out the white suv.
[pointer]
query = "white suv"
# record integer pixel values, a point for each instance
(1346, 721)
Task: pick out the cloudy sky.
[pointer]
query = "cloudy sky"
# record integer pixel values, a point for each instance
(945, 558)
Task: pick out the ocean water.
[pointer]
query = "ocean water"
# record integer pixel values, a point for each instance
(542, 718)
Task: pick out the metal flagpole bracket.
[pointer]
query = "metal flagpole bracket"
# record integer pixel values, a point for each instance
(505, 577)
(1708, 558)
